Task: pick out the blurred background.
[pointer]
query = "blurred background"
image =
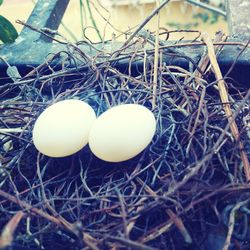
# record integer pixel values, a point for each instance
(111, 18)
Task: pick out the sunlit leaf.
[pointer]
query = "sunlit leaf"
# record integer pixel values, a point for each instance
(1, 1)
(8, 33)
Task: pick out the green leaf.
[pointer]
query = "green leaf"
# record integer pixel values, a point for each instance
(1, 1)
(13, 73)
(8, 33)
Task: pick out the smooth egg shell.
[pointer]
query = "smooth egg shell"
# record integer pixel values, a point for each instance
(63, 128)
(122, 132)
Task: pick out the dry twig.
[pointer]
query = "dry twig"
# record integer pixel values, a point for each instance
(225, 100)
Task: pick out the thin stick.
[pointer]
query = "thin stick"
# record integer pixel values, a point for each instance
(179, 224)
(156, 57)
(11, 130)
(232, 222)
(154, 12)
(224, 99)
(82, 10)
(59, 222)
(208, 7)
(203, 64)
(130, 243)
(34, 210)
(123, 214)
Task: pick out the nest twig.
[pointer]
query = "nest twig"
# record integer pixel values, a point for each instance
(189, 182)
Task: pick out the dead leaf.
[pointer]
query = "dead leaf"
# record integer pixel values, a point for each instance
(9, 229)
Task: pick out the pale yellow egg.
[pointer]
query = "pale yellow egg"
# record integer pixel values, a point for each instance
(63, 128)
(122, 132)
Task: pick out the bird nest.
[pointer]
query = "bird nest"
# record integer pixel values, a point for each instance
(187, 190)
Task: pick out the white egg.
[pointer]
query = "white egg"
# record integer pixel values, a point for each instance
(63, 128)
(122, 132)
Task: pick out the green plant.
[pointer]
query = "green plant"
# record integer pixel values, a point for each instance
(184, 26)
(92, 19)
(8, 33)
(207, 17)
(210, 15)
